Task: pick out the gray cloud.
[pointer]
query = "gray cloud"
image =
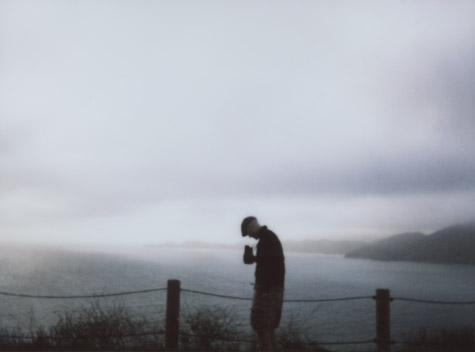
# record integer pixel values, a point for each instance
(114, 123)
(455, 90)
(386, 176)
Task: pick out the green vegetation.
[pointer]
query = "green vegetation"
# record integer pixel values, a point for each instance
(442, 340)
(452, 245)
(100, 327)
(213, 329)
(95, 327)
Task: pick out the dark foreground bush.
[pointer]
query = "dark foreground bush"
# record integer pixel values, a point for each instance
(216, 329)
(443, 340)
(293, 336)
(101, 327)
(111, 327)
(212, 329)
(94, 327)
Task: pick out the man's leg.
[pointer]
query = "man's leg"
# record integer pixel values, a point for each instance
(275, 344)
(265, 340)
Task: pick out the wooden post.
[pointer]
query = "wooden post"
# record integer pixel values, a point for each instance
(173, 311)
(383, 327)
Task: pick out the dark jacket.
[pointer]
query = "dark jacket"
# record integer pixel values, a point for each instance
(270, 263)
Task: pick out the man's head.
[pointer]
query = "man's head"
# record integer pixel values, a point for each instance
(250, 227)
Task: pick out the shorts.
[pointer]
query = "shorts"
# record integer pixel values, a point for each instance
(266, 309)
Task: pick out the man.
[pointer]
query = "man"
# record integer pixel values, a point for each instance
(269, 285)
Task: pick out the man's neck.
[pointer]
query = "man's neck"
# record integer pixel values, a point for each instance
(254, 228)
(258, 234)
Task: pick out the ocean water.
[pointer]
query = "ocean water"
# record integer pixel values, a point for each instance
(308, 276)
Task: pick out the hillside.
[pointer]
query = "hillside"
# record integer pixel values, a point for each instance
(322, 246)
(451, 245)
(303, 246)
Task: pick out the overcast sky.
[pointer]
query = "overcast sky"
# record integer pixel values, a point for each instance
(150, 121)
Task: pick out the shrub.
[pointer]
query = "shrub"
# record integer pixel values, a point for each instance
(446, 340)
(293, 336)
(102, 327)
(94, 327)
(211, 329)
(9, 339)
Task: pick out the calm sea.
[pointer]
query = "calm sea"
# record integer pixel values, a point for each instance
(309, 276)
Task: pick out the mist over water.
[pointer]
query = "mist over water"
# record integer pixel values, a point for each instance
(309, 276)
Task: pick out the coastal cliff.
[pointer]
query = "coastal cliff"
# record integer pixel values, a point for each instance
(451, 245)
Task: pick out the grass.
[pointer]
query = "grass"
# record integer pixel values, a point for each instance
(442, 340)
(107, 327)
(95, 327)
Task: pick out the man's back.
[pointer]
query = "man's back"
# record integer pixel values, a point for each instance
(270, 268)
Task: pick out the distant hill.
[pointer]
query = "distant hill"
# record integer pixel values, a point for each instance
(322, 246)
(197, 245)
(304, 246)
(451, 245)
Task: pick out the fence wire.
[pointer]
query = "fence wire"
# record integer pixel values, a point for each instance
(285, 300)
(310, 343)
(320, 300)
(85, 337)
(433, 302)
(124, 293)
(218, 338)
(218, 295)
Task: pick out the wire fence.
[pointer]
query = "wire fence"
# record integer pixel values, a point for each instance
(155, 333)
(103, 295)
(460, 303)
(185, 290)
(79, 337)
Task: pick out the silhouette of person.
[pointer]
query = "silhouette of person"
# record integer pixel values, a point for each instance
(269, 284)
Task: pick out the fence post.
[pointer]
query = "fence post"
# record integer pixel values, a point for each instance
(173, 311)
(383, 327)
